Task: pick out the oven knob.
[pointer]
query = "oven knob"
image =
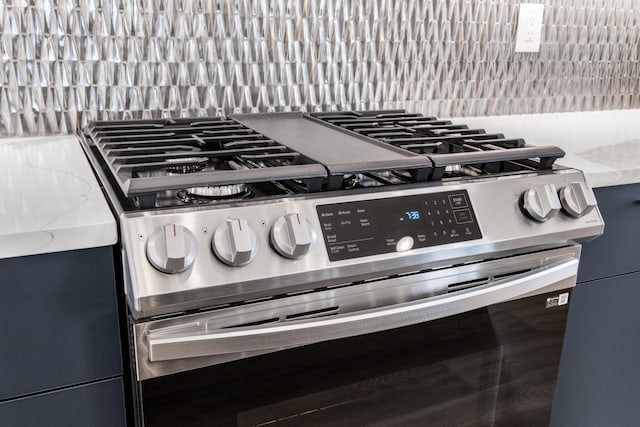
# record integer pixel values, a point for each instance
(172, 248)
(541, 202)
(234, 242)
(577, 199)
(292, 235)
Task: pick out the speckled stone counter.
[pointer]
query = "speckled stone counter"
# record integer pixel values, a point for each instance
(50, 200)
(605, 145)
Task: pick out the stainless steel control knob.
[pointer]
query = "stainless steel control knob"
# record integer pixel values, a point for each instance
(234, 242)
(172, 248)
(542, 202)
(292, 235)
(577, 199)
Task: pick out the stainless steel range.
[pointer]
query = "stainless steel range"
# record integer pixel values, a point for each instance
(250, 238)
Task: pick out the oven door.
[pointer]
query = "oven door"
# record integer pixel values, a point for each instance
(477, 344)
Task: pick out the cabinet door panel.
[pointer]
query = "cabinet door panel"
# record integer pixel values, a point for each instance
(58, 321)
(598, 382)
(618, 250)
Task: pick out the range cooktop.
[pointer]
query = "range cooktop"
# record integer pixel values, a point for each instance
(205, 161)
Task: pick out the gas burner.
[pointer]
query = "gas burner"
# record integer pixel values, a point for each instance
(218, 191)
(180, 166)
(204, 195)
(351, 180)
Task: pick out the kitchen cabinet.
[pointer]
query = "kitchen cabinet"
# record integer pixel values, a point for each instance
(599, 378)
(59, 329)
(617, 251)
(97, 404)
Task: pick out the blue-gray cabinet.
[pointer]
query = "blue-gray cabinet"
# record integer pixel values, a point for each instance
(98, 404)
(58, 331)
(599, 378)
(618, 250)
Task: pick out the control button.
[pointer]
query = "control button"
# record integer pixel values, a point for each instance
(577, 199)
(234, 242)
(463, 216)
(292, 235)
(404, 244)
(172, 248)
(541, 202)
(458, 201)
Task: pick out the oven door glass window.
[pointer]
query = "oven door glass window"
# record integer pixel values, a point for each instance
(492, 366)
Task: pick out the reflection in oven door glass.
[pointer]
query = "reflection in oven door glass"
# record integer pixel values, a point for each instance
(495, 366)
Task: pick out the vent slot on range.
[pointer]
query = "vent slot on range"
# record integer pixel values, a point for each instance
(310, 314)
(329, 311)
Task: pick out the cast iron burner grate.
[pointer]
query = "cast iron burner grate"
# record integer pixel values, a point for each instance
(454, 149)
(198, 160)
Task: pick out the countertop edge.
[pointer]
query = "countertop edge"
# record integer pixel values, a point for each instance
(52, 201)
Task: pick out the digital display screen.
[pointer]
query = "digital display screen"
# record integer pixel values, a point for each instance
(372, 227)
(412, 215)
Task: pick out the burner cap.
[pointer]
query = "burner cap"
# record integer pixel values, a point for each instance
(350, 180)
(185, 165)
(218, 191)
(212, 193)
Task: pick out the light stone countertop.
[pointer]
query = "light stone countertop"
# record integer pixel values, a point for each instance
(50, 200)
(605, 145)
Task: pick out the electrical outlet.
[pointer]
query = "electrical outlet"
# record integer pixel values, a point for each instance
(529, 27)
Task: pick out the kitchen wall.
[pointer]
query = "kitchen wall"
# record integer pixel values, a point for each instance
(68, 61)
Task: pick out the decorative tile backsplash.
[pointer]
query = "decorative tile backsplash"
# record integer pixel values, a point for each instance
(65, 62)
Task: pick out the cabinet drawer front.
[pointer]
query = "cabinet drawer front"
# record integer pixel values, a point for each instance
(617, 251)
(98, 405)
(58, 321)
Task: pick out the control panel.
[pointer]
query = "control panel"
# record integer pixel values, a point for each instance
(178, 259)
(372, 227)
(355, 229)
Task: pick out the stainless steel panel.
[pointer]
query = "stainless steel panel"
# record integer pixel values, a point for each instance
(189, 342)
(505, 229)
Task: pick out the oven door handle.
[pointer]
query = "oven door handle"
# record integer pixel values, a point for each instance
(171, 344)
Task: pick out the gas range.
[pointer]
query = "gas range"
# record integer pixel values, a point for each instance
(221, 211)
(311, 235)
